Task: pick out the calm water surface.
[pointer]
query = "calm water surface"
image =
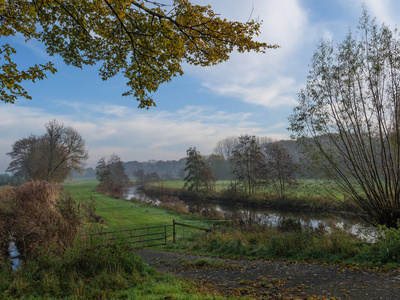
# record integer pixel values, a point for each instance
(272, 217)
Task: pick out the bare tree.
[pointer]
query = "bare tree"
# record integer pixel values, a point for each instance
(225, 148)
(24, 164)
(248, 164)
(348, 119)
(281, 169)
(65, 150)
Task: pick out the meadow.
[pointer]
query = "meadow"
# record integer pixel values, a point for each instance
(306, 187)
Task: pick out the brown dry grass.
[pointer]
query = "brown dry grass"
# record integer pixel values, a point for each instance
(38, 217)
(174, 204)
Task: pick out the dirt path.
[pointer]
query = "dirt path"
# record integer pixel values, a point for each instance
(277, 280)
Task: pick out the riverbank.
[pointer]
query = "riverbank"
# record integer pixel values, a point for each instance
(261, 234)
(306, 203)
(289, 238)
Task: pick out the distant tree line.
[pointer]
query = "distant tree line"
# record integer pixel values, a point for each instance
(7, 179)
(143, 177)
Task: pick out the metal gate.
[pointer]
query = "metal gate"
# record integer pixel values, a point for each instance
(148, 236)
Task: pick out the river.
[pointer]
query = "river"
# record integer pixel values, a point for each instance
(272, 217)
(14, 255)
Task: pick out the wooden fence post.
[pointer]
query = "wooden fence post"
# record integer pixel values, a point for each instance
(173, 231)
(165, 235)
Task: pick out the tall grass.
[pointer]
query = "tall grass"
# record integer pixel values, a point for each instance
(37, 216)
(88, 270)
(291, 240)
(93, 270)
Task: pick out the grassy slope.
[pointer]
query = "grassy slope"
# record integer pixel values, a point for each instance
(123, 214)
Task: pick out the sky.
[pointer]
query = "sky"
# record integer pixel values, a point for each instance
(251, 93)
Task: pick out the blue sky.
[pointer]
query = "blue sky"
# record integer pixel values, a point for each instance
(250, 94)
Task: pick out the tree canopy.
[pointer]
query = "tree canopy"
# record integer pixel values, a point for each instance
(147, 41)
(198, 173)
(52, 156)
(112, 176)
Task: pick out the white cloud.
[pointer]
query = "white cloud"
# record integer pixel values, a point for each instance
(134, 134)
(382, 11)
(279, 93)
(385, 11)
(327, 35)
(273, 79)
(263, 79)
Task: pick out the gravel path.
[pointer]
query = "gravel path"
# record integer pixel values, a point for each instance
(277, 280)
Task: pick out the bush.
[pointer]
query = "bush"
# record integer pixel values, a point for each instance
(37, 217)
(386, 249)
(174, 204)
(289, 224)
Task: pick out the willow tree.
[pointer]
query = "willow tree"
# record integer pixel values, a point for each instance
(348, 118)
(147, 41)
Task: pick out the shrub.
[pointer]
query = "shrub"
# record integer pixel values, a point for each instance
(289, 224)
(174, 204)
(37, 217)
(386, 249)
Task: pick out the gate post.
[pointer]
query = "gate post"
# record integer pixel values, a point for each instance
(173, 231)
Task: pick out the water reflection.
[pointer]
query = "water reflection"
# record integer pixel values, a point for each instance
(272, 217)
(14, 255)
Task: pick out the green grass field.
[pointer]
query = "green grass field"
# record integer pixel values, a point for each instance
(124, 214)
(306, 188)
(178, 184)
